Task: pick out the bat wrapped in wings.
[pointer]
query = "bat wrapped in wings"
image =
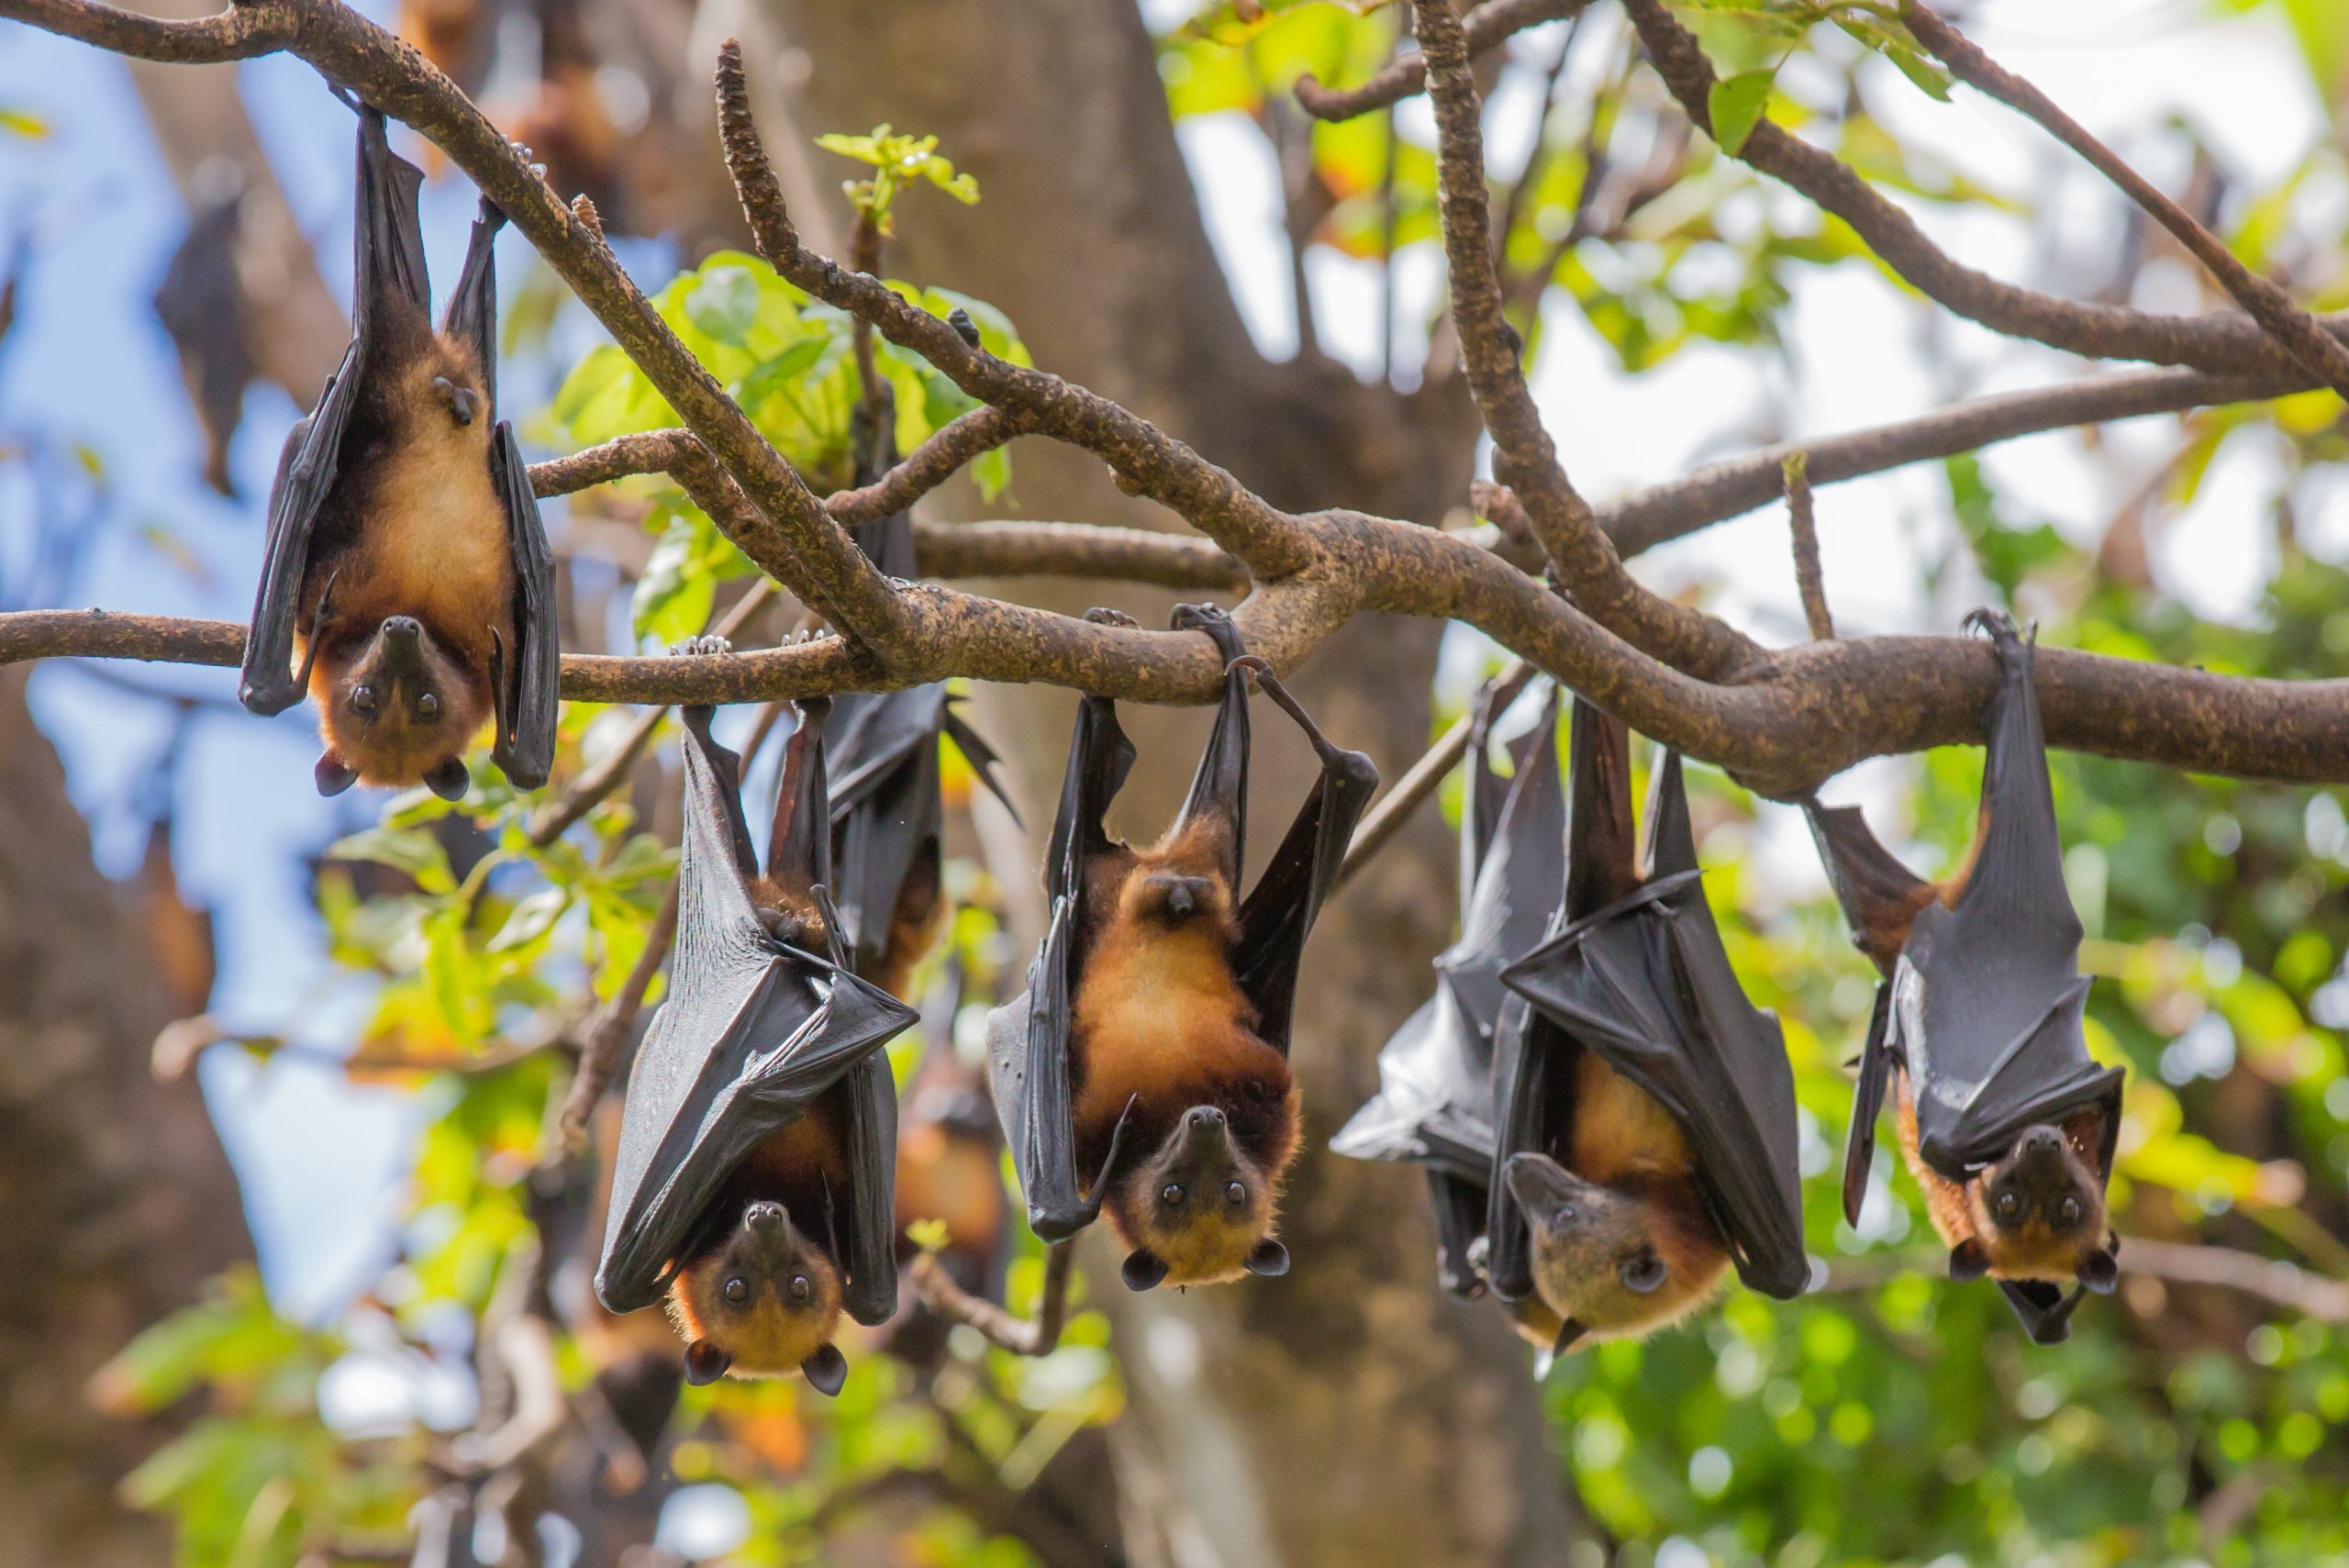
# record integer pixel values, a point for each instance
(1646, 1113)
(1435, 1105)
(753, 1185)
(406, 567)
(2004, 1120)
(888, 808)
(1145, 1070)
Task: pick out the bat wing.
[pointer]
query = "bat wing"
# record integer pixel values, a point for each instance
(1878, 895)
(1533, 1085)
(888, 812)
(527, 675)
(2044, 1307)
(1521, 867)
(1278, 913)
(1646, 982)
(387, 260)
(753, 1031)
(1989, 998)
(1029, 1038)
(1220, 789)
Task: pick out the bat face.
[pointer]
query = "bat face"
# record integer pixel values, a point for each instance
(763, 1303)
(1610, 1261)
(1198, 1210)
(396, 708)
(2040, 1210)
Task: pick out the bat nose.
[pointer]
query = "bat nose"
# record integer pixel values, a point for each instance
(404, 629)
(762, 1217)
(2042, 1139)
(1207, 1118)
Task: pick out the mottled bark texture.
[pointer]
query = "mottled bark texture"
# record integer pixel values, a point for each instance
(118, 1202)
(1346, 1414)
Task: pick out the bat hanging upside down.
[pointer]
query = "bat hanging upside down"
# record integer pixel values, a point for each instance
(2007, 1123)
(1151, 1048)
(407, 569)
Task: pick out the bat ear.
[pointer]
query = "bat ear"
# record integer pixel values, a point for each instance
(1969, 1260)
(334, 775)
(705, 1362)
(825, 1369)
(1144, 1269)
(1568, 1332)
(2101, 1270)
(1643, 1274)
(448, 779)
(1268, 1257)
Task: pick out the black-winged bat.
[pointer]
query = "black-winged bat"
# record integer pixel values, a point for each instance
(1435, 1105)
(1145, 1070)
(406, 566)
(1645, 1115)
(754, 1182)
(2007, 1123)
(888, 812)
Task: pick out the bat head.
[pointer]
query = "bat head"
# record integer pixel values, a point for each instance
(1613, 1260)
(763, 1302)
(1198, 1209)
(397, 708)
(2039, 1211)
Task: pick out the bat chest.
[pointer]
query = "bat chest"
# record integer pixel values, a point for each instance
(436, 536)
(1622, 1130)
(1159, 1015)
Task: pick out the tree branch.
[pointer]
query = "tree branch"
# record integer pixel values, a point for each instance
(1488, 27)
(1022, 1337)
(1424, 777)
(1809, 580)
(1523, 457)
(2225, 345)
(2300, 334)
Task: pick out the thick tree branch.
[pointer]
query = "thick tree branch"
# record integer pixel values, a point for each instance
(2300, 334)
(1524, 458)
(1488, 27)
(240, 32)
(2225, 345)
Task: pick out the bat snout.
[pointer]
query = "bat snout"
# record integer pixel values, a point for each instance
(1545, 1190)
(1176, 899)
(765, 1219)
(1204, 1117)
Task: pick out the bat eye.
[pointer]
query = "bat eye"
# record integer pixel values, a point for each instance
(1171, 1194)
(2067, 1213)
(738, 1291)
(2007, 1207)
(427, 707)
(1236, 1192)
(800, 1287)
(363, 701)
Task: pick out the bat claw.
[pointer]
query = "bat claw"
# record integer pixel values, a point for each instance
(461, 400)
(965, 327)
(1101, 615)
(708, 646)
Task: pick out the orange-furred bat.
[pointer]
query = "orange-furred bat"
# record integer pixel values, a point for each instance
(407, 569)
(2004, 1120)
(1144, 1073)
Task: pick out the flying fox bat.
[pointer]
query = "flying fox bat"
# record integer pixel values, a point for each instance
(405, 565)
(1145, 1070)
(1435, 1106)
(888, 812)
(2004, 1119)
(1646, 1113)
(754, 1182)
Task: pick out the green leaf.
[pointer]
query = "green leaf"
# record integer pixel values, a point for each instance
(418, 854)
(25, 123)
(725, 305)
(1735, 104)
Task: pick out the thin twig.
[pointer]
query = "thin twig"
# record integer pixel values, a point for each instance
(1020, 1336)
(1809, 579)
(2222, 344)
(1488, 26)
(2300, 333)
(600, 1059)
(1424, 777)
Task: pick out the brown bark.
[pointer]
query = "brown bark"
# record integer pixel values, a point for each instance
(119, 1203)
(1346, 1414)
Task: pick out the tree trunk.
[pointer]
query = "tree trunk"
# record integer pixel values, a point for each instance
(1349, 1413)
(119, 1202)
